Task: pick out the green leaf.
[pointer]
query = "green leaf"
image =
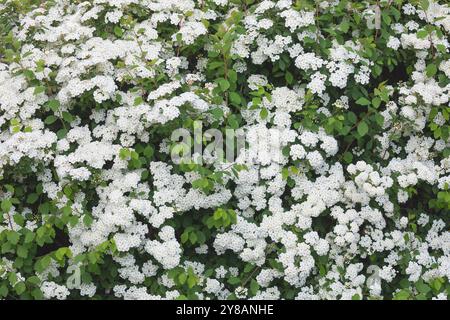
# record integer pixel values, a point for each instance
(184, 237)
(289, 77)
(182, 278)
(376, 102)
(254, 286)
(53, 105)
(217, 113)
(422, 34)
(29, 237)
(50, 119)
(424, 4)
(402, 295)
(6, 205)
(13, 237)
(22, 251)
(422, 287)
(218, 214)
(193, 238)
(32, 198)
(431, 70)
(3, 291)
(235, 98)
(263, 113)
(348, 157)
(224, 84)
(20, 288)
(363, 101)
(363, 128)
(39, 90)
(138, 101)
(67, 117)
(234, 280)
(149, 151)
(191, 281)
(344, 26)
(214, 65)
(118, 31)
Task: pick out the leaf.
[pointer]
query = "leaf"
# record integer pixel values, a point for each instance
(149, 151)
(13, 237)
(224, 84)
(118, 31)
(32, 198)
(348, 157)
(53, 105)
(217, 113)
(422, 287)
(431, 70)
(424, 4)
(214, 65)
(235, 98)
(254, 286)
(193, 238)
(67, 116)
(263, 113)
(138, 101)
(191, 281)
(20, 288)
(6, 205)
(422, 34)
(29, 237)
(363, 128)
(218, 214)
(376, 102)
(234, 280)
(39, 90)
(22, 252)
(184, 237)
(344, 26)
(363, 101)
(289, 77)
(50, 119)
(182, 278)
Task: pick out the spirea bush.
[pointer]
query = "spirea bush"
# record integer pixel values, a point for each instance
(340, 189)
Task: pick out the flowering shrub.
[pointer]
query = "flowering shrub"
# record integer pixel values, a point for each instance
(339, 191)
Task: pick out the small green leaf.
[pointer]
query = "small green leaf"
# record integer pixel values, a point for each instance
(20, 288)
(53, 105)
(50, 119)
(263, 113)
(363, 128)
(363, 101)
(138, 101)
(235, 98)
(422, 34)
(182, 278)
(22, 252)
(224, 84)
(431, 70)
(6, 205)
(254, 286)
(118, 31)
(39, 90)
(13, 237)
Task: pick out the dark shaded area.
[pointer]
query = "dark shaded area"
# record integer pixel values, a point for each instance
(61, 240)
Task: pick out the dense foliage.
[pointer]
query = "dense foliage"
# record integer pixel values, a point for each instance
(340, 192)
